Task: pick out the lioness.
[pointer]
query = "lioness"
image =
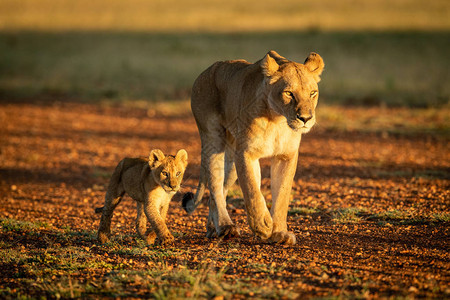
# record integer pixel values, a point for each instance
(151, 182)
(245, 112)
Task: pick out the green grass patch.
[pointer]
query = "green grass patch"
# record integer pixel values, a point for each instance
(19, 226)
(441, 217)
(74, 266)
(407, 217)
(362, 68)
(348, 215)
(394, 215)
(302, 211)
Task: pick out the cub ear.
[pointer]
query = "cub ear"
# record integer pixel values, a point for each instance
(269, 65)
(314, 63)
(155, 158)
(182, 156)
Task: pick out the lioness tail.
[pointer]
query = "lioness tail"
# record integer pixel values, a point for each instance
(191, 201)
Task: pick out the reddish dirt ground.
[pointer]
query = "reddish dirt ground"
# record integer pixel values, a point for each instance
(55, 160)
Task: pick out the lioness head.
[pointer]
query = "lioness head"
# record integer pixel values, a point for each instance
(292, 88)
(168, 170)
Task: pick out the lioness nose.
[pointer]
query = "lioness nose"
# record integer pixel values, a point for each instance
(304, 118)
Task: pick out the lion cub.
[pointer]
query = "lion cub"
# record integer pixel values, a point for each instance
(151, 182)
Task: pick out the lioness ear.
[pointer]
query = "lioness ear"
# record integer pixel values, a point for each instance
(314, 63)
(155, 158)
(182, 156)
(278, 58)
(269, 66)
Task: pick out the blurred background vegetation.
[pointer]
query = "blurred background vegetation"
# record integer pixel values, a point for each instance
(377, 52)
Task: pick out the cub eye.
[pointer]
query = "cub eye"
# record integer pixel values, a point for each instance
(178, 174)
(313, 93)
(164, 173)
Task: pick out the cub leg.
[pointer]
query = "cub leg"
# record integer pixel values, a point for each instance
(213, 156)
(149, 235)
(163, 210)
(249, 174)
(282, 175)
(112, 199)
(158, 224)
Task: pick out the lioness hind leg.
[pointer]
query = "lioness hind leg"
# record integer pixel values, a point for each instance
(213, 162)
(210, 229)
(230, 167)
(226, 231)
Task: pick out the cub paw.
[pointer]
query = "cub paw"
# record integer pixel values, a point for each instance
(167, 240)
(229, 231)
(283, 237)
(103, 237)
(150, 238)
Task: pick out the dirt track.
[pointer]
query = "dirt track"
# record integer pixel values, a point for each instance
(370, 211)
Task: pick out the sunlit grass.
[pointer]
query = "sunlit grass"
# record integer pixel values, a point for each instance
(81, 268)
(303, 211)
(347, 215)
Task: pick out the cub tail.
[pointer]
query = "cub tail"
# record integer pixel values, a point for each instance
(113, 182)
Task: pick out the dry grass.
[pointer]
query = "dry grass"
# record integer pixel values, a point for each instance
(223, 16)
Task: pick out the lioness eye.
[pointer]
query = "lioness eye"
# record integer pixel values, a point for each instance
(164, 173)
(313, 93)
(289, 94)
(178, 174)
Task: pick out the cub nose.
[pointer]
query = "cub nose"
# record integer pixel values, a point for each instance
(172, 185)
(304, 118)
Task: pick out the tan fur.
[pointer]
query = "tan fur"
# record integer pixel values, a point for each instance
(245, 112)
(151, 183)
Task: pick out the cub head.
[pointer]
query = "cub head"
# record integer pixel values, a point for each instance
(292, 88)
(168, 170)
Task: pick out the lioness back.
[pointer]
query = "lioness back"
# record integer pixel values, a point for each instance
(219, 81)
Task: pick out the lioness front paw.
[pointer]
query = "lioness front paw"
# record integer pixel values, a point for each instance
(261, 226)
(229, 231)
(283, 237)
